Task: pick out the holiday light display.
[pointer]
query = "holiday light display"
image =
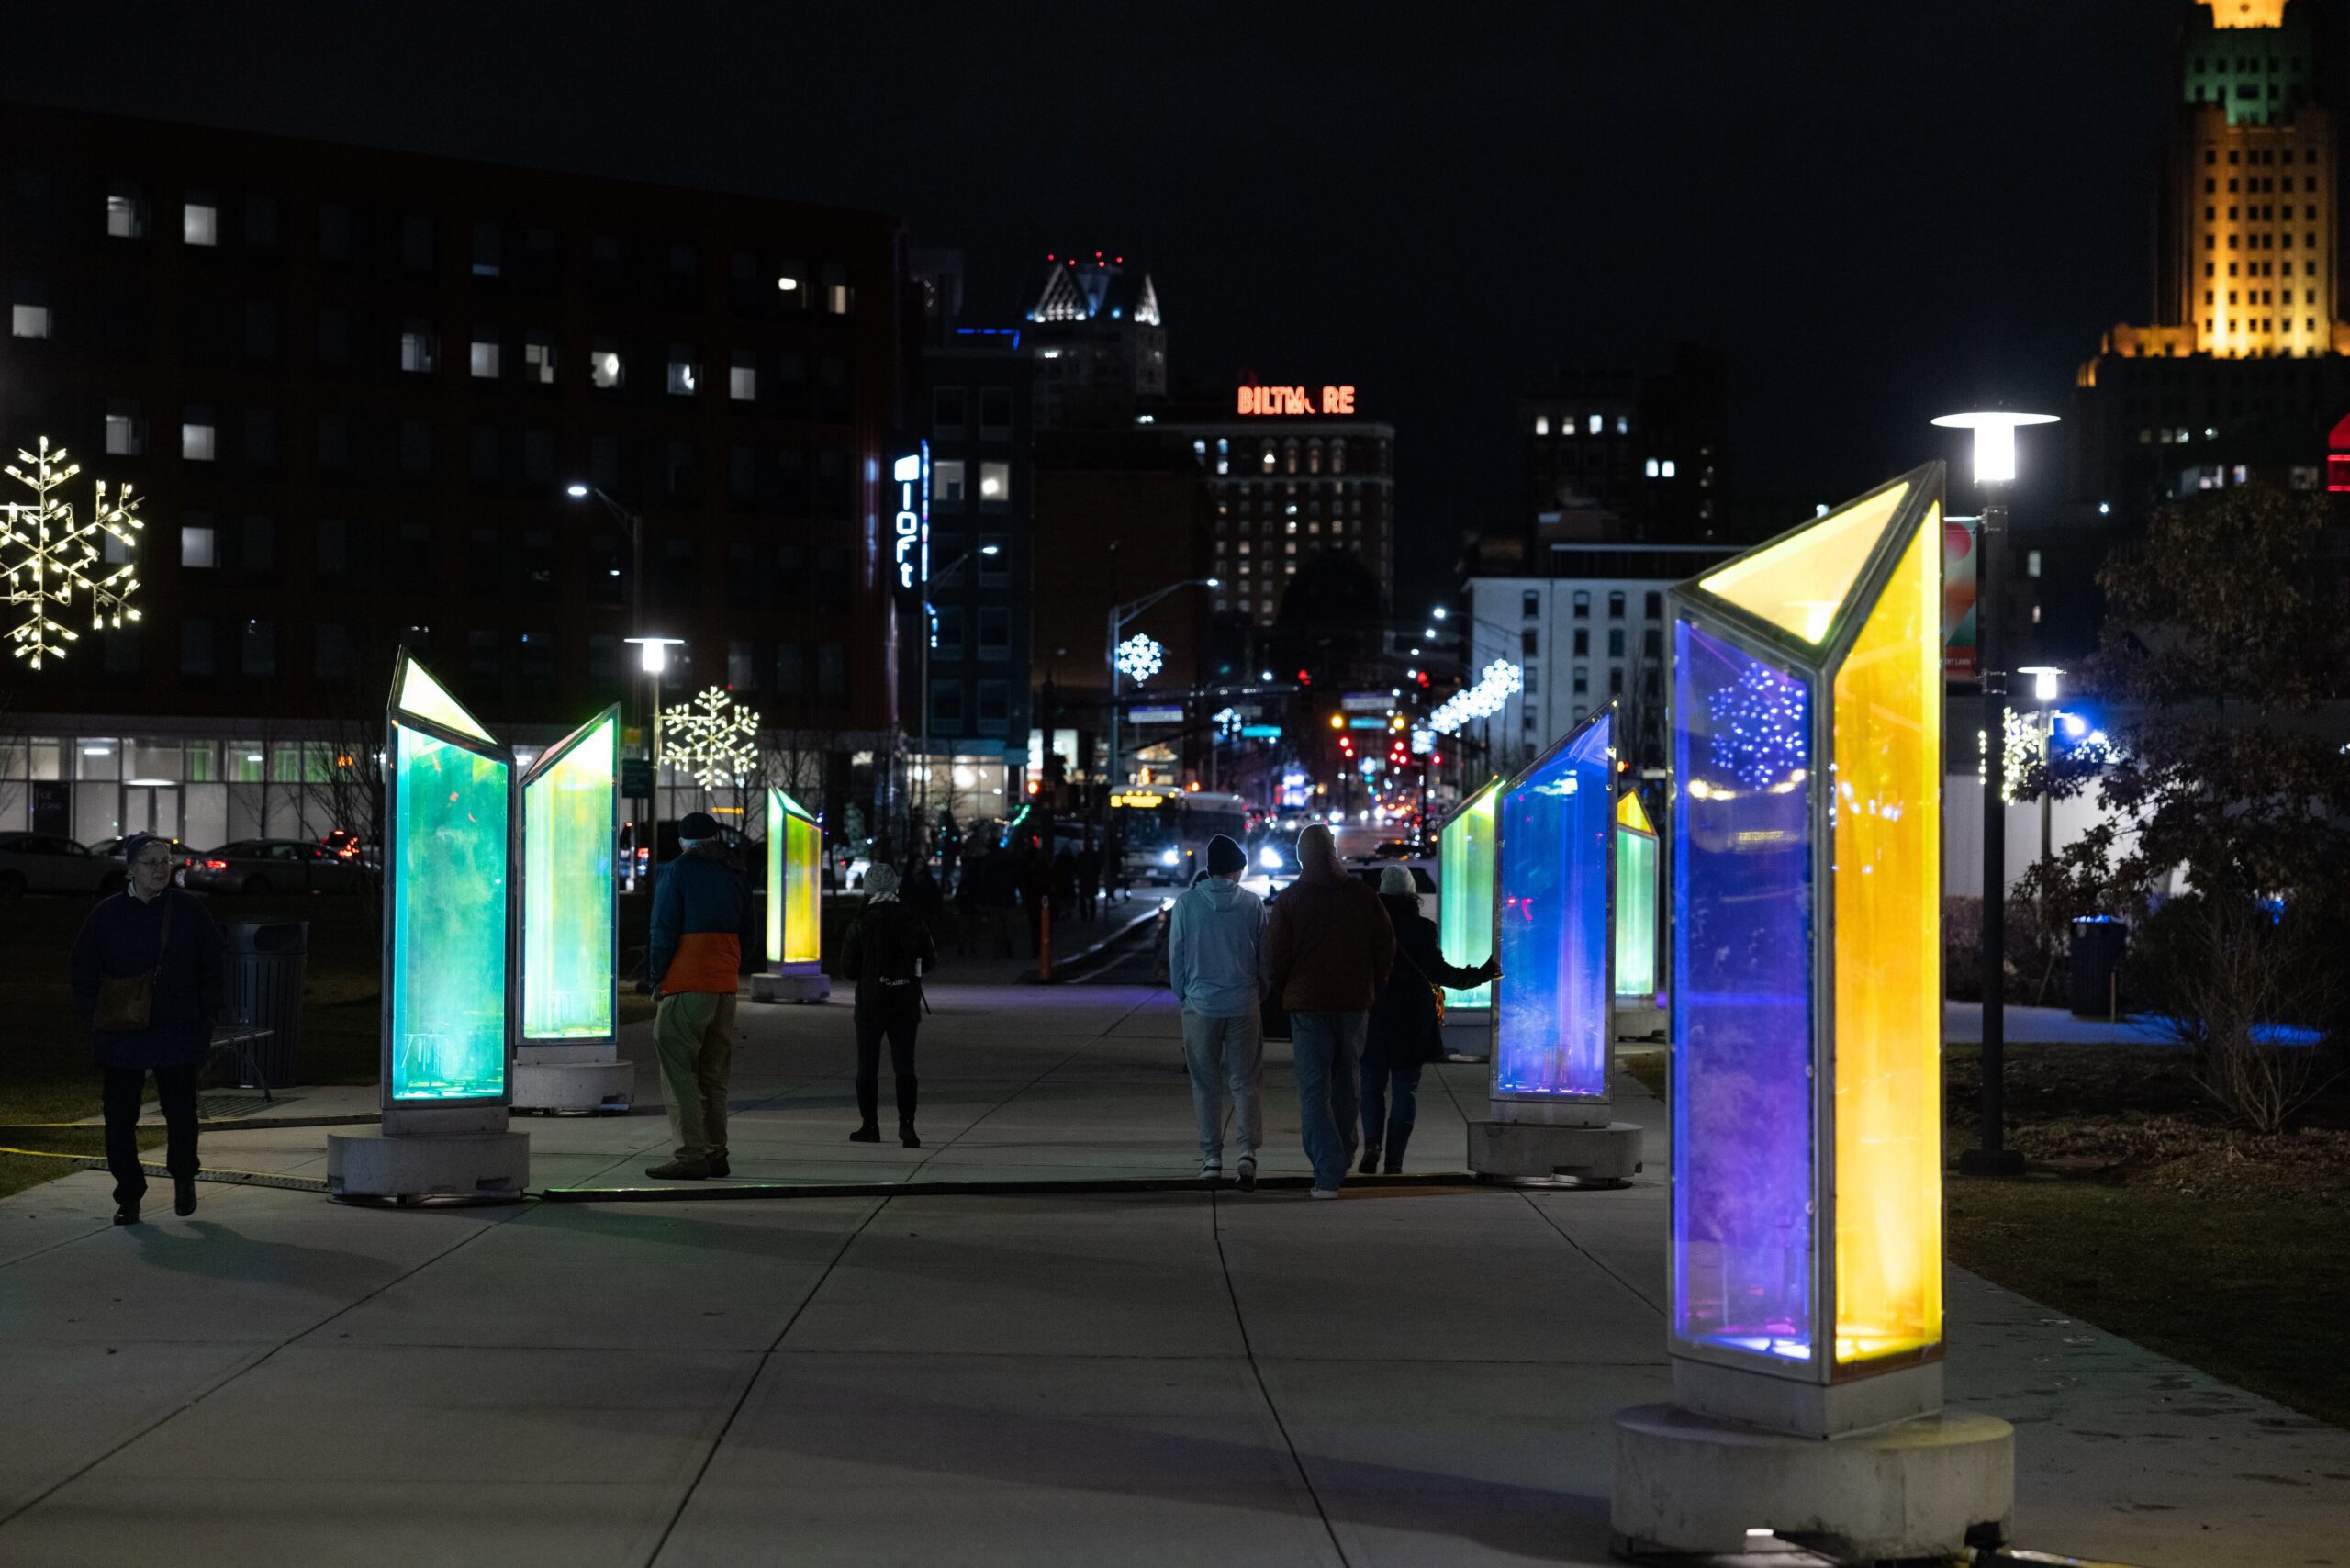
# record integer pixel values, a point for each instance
(1141, 656)
(447, 1033)
(570, 814)
(1553, 1009)
(1806, 997)
(713, 737)
(1494, 686)
(1465, 890)
(49, 559)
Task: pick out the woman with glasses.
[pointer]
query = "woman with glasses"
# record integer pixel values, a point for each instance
(147, 982)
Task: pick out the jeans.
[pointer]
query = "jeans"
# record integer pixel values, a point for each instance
(175, 1096)
(1225, 1054)
(898, 1027)
(1327, 1051)
(1381, 1128)
(694, 1033)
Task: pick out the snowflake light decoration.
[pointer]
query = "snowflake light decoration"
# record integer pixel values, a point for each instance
(1499, 681)
(1228, 722)
(1758, 720)
(1141, 656)
(713, 737)
(49, 557)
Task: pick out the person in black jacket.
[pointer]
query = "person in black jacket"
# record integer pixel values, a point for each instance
(1405, 1036)
(151, 929)
(887, 951)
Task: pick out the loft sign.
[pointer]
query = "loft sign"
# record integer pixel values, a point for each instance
(1297, 400)
(909, 543)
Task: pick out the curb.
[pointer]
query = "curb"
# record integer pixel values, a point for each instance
(1084, 955)
(703, 1192)
(227, 1178)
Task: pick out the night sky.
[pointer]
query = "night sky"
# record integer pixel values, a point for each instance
(1878, 210)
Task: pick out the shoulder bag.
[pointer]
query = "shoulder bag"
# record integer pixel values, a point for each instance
(127, 1002)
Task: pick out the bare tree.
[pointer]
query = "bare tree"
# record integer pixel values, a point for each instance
(2252, 970)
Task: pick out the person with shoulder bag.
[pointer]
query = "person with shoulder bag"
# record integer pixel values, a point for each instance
(887, 951)
(147, 979)
(1329, 948)
(1406, 1029)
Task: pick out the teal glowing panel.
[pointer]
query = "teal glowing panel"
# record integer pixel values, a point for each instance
(568, 814)
(1465, 890)
(1554, 1017)
(1635, 915)
(448, 915)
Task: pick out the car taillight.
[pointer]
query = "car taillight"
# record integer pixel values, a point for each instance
(216, 864)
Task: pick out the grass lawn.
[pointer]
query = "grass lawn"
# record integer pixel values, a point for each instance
(2147, 1216)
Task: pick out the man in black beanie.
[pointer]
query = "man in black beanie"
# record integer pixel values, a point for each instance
(694, 963)
(1215, 952)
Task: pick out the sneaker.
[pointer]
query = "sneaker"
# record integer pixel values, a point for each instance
(125, 1214)
(718, 1166)
(1323, 1193)
(908, 1136)
(679, 1170)
(1211, 1172)
(184, 1196)
(1247, 1173)
(869, 1133)
(1369, 1158)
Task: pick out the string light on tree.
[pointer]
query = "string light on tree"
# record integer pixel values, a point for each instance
(1227, 722)
(1141, 656)
(713, 737)
(1758, 726)
(1495, 686)
(49, 559)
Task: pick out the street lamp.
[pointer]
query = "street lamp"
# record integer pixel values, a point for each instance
(2044, 691)
(1995, 468)
(580, 490)
(1119, 615)
(652, 657)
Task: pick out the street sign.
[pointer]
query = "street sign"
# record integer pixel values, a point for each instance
(1366, 702)
(1260, 732)
(1169, 714)
(636, 778)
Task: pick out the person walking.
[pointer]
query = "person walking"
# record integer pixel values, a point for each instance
(998, 896)
(1404, 1034)
(1035, 893)
(1088, 879)
(1216, 957)
(695, 965)
(1327, 949)
(146, 976)
(887, 951)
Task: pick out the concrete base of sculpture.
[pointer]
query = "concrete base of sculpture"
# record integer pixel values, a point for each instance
(1931, 1486)
(1638, 1020)
(555, 1087)
(1805, 1409)
(1604, 1155)
(429, 1168)
(792, 982)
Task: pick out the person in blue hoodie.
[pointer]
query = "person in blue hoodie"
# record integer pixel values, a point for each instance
(1216, 961)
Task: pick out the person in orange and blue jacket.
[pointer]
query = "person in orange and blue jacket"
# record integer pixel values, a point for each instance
(697, 954)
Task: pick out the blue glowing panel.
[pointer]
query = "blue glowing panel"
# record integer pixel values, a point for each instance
(1742, 1131)
(1553, 1016)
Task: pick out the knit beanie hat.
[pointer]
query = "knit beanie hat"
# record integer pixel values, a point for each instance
(881, 882)
(1224, 858)
(694, 826)
(1396, 879)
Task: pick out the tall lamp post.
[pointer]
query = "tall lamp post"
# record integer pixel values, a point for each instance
(633, 526)
(1119, 615)
(1994, 470)
(652, 657)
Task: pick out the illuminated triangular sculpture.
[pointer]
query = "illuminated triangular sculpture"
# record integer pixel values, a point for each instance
(795, 906)
(1806, 1006)
(567, 1061)
(449, 1017)
(1465, 906)
(1553, 1013)
(1636, 918)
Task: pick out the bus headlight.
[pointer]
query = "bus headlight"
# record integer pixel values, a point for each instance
(1171, 857)
(1270, 858)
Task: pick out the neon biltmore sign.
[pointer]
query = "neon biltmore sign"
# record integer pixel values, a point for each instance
(911, 545)
(1297, 399)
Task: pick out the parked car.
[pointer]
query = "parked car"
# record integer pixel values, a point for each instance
(351, 846)
(274, 866)
(50, 863)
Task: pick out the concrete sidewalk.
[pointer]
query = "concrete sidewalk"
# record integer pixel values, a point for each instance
(1419, 1377)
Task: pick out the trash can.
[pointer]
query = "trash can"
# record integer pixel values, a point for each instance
(2096, 965)
(269, 962)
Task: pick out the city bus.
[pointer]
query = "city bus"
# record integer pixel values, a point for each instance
(1166, 830)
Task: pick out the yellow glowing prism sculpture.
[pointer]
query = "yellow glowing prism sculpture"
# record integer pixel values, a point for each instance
(1807, 969)
(794, 843)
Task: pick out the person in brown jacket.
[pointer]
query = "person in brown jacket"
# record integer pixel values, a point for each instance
(1328, 951)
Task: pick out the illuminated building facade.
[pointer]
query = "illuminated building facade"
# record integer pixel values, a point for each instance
(352, 386)
(1093, 327)
(1618, 457)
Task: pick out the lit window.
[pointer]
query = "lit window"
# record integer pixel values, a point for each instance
(946, 482)
(837, 294)
(743, 377)
(484, 358)
(1597, 423)
(682, 377)
(604, 363)
(995, 481)
(125, 435)
(787, 283)
(196, 440)
(1652, 468)
(538, 357)
(126, 212)
(416, 348)
(1669, 468)
(1541, 424)
(200, 223)
(30, 321)
(199, 548)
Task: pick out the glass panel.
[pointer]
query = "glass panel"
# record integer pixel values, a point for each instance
(1465, 897)
(1635, 861)
(794, 912)
(1801, 582)
(1741, 1038)
(425, 697)
(1887, 820)
(567, 910)
(448, 915)
(1553, 1014)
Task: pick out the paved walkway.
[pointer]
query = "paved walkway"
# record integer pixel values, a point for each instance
(1405, 1377)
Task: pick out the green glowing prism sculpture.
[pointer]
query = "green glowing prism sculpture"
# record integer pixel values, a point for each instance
(1465, 890)
(794, 922)
(448, 842)
(570, 925)
(1636, 900)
